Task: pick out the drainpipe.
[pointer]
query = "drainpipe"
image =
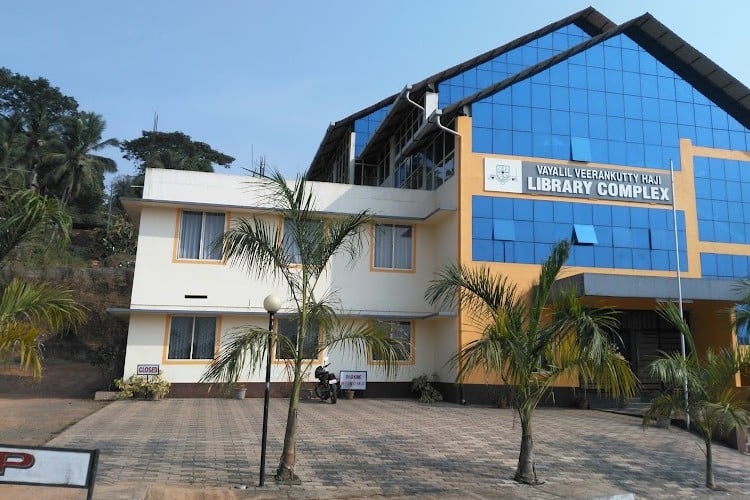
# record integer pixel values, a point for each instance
(407, 89)
(437, 114)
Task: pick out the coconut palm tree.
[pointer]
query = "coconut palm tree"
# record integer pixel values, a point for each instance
(11, 149)
(39, 132)
(29, 313)
(529, 343)
(298, 258)
(71, 163)
(716, 405)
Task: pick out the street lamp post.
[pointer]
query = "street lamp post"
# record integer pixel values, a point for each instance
(272, 304)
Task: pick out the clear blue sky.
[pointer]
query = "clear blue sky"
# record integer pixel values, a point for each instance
(269, 76)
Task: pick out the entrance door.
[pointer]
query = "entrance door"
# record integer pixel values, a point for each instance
(644, 334)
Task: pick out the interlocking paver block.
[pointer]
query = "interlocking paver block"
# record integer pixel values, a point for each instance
(371, 447)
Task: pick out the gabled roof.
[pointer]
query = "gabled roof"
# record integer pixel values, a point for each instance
(693, 66)
(589, 20)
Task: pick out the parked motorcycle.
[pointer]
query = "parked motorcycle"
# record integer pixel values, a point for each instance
(327, 386)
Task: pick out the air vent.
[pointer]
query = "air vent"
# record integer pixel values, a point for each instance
(196, 296)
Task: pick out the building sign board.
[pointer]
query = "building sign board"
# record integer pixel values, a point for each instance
(551, 179)
(356, 380)
(147, 370)
(42, 466)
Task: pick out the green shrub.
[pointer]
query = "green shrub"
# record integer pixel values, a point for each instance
(422, 386)
(140, 387)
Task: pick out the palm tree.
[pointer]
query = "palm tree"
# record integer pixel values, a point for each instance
(716, 405)
(257, 245)
(39, 131)
(11, 149)
(530, 345)
(71, 161)
(29, 313)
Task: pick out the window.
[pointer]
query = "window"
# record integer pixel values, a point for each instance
(398, 330)
(580, 149)
(393, 246)
(503, 230)
(584, 234)
(289, 241)
(199, 233)
(192, 337)
(288, 327)
(314, 231)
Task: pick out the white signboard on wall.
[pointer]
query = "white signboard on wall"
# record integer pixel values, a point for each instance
(552, 179)
(356, 380)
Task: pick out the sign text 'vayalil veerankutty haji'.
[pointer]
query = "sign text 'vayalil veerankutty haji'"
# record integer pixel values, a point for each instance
(516, 176)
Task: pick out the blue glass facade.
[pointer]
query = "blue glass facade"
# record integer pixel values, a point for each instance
(722, 192)
(481, 76)
(615, 96)
(743, 333)
(509, 63)
(524, 231)
(724, 267)
(365, 126)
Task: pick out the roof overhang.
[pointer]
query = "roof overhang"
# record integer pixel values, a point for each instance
(134, 206)
(125, 312)
(648, 287)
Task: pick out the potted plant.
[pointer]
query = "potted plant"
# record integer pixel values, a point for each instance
(661, 409)
(239, 391)
(349, 393)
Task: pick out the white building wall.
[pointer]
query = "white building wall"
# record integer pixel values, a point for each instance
(161, 281)
(233, 295)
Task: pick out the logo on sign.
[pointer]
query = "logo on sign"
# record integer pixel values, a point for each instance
(502, 175)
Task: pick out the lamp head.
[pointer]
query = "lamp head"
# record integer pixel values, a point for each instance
(272, 303)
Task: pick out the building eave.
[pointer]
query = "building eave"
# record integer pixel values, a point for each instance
(648, 287)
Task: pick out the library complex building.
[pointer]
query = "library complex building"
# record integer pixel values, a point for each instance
(623, 139)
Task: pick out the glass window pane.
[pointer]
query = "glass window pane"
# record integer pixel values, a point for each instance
(503, 230)
(204, 338)
(402, 247)
(400, 330)
(286, 327)
(383, 248)
(289, 241)
(213, 231)
(180, 337)
(310, 347)
(580, 149)
(190, 235)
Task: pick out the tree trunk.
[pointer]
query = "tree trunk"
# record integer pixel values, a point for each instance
(526, 471)
(34, 180)
(285, 472)
(709, 466)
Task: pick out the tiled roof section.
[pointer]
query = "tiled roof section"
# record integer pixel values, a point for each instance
(589, 20)
(674, 52)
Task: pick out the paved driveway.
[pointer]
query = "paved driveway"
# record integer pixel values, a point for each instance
(366, 448)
